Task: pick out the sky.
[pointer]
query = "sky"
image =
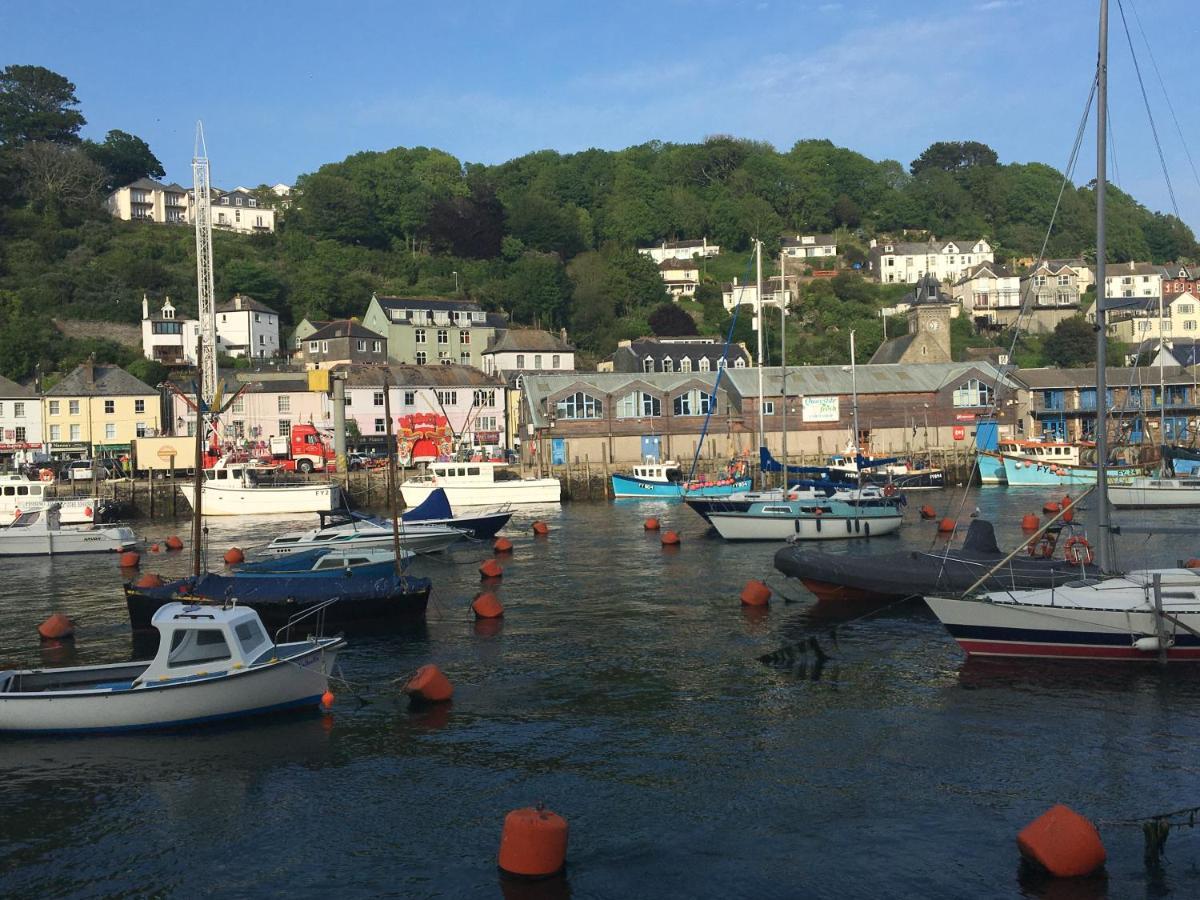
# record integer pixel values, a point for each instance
(284, 87)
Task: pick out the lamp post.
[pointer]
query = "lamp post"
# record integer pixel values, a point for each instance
(455, 274)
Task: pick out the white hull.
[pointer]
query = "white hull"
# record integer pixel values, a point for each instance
(236, 500)
(496, 493)
(418, 539)
(742, 527)
(57, 542)
(281, 685)
(1155, 493)
(72, 510)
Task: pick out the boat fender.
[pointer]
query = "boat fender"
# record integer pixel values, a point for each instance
(1029, 522)
(502, 545)
(1051, 507)
(46, 475)
(1078, 552)
(756, 593)
(490, 569)
(130, 559)
(57, 627)
(429, 685)
(1151, 644)
(540, 528)
(233, 556)
(487, 605)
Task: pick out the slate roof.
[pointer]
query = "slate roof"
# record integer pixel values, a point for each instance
(893, 349)
(643, 348)
(106, 381)
(1118, 270)
(439, 304)
(919, 295)
(9, 388)
(407, 376)
(678, 264)
(995, 269)
(527, 340)
(248, 303)
(817, 240)
(342, 328)
(924, 248)
(1143, 376)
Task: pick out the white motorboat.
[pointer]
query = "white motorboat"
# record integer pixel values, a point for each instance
(1152, 492)
(479, 484)
(824, 520)
(41, 533)
(742, 502)
(19, 494)
(361, 532)
(249, 489)
(213, 662)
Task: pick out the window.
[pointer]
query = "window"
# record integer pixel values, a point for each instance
(74, 432)
(693, 403)
(667, 364)
(447, 398)
(638, 405)
(739, 363)
(283, 403)
(419, 335)
(55, 432)
(376, 346)
(410, 398)
(1144, 325)
(362, 346)
(537, 361)
(685, 364)
(110, 431)
(555, 361)
(139, 406)
(1039, 280)
(142, 431)
(19, 433)
(196, 646)
(464, 357)
(110, 407)
(768, 407)
(239, 405)
(285, 428)
(485, 398)
(704, 364)
(464, 337)
(445, 359)
(520, 360)
(1189, 325)
(580, 406)
(973, 393)
(380, 426)
(1185, 309)
(314, 346)
(377, 398)
(54, 407)
(443, 336)
(18, 410)
(1064, 280)
(239, 428)
(648, 364)
(422, 358)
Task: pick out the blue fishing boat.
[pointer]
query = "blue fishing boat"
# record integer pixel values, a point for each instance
(655, 480)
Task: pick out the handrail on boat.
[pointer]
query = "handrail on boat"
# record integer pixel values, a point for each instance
(317, 610)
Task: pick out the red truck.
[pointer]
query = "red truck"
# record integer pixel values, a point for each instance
(303, 451)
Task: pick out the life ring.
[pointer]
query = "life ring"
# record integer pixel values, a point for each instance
(889, 490)
(46, 475)
(1076, 556)
(1043, 548)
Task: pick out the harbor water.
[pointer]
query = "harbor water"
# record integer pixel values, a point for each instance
(622, 689)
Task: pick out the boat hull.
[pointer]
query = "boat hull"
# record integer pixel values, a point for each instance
(629, 487)
(264, 500)
(1031, 473)
(496, 493)
(733, 526)
(416, 540)
(991, 468)
(1154, 493)
(64, 542)
(299, 680)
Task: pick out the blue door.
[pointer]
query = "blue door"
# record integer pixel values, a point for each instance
(987, 436)
(558, 451)
(652, 448)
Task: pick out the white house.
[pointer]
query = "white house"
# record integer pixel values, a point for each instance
(20, 423)
(239, 210)
(681, 277)
(147, 200)
(246, 327)
(514, 350)
(166, 338)
(775, 292)
(1133, 279)
(809, 246)
(1180, 318)
(905, 262)
(681, 250)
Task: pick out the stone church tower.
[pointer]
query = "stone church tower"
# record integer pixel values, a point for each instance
(928, 338)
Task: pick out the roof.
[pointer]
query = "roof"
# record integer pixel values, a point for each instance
(527, 340)
(106, 381)
(1117, 270)
(680, 264)
(493, 320)
(815, 240)
(678, 245)
(893, 349)
(676, 349)
(922, 248)
(995, 269)
(406, 376)
(1047, 378)
(247, 303)
(920, 294)
(342, 328)
(537, 386)
(9, 388)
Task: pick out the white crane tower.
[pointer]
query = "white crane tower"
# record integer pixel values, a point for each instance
(206, 296)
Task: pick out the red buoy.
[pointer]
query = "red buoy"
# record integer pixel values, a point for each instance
(490, 569)
(1192, 563)
(87, 512)
(154, 548)
(1065, 501)
(756, 593)
(233, 556)
(327, 699)
(130, 559)
(670, 538)
(651, 524)
(430, 685)
(1051, 507)
(1030, 522)
(540, 528)
(174, 543)
(502, 545)
(946, 525)
(928, 512)
(1068, 515)
(149, 580)
(1062, 842)
(57, 627)
(486, 605)
(533, 843)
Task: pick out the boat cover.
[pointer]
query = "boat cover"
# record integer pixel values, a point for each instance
(435, 506)
(302, 562)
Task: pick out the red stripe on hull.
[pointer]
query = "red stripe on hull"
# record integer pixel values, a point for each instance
(1073, 651)
(826, 591)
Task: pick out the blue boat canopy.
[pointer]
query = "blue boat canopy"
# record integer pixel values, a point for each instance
(435, 506)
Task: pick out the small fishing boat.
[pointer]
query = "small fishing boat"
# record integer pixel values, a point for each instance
(655, 480)
(823, 520)
(904, 474)
(249, 488)
(19, 494)
(913, 573)
(479, 484)
(1052, 463)
(213, 662)
(41, 533)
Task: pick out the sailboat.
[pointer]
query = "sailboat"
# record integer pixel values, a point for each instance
(1142, 615)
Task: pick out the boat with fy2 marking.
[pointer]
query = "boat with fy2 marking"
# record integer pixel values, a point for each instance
(250, 489)
(213, 663)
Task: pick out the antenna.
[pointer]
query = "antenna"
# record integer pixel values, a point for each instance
(205, 294)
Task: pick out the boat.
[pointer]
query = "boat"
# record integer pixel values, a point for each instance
(347, 529)
(365, 561)
(823, 520)
(248, 488)
(811, 492)
(1154, 492)
(1054, 463)
(655, 480)
(436, 510)
(41, 533)
(1144, 615)
(20, 494)
(855, 466)
(213, 663)
(479, 484)
(915, 573)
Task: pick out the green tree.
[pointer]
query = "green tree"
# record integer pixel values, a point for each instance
(953, 156)
(1072, 344)
(125, 157)
(538, 291)
(37, 104)
(669, 320)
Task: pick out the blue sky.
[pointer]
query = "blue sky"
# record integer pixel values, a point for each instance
(285, 87)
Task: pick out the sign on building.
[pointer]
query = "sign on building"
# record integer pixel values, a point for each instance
(820, 409)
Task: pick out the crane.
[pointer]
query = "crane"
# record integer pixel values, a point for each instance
(206, 295)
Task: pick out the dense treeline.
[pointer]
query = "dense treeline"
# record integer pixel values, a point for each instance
(547, 238)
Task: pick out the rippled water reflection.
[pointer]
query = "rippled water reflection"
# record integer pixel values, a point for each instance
(621, 688)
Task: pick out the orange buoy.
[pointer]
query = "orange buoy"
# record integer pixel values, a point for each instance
(947, 525)
(756, 593)
(541, 528)
(670, 538)
(928, 512)
(1065, 501)
(327, 700)
(651, 524)
(233, 556)
(490, 569)
(1192, 563)
(57, 627)
(502, 545)
(533, 843)
(149, 580)
(87, 512)
(1062, 842)
(154, 548)
(130, 559)
(1068, 515)
(1030, 522)
(1051, 507)
(174, 543)
(486, 605)
(430, 685)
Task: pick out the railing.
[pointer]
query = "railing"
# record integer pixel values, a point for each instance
(318, 611)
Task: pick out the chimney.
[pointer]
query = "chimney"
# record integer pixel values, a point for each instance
(562, 333)
(237, 301)
(89, 371)
(145, 307)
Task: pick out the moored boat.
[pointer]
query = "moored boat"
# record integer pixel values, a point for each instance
(19, 494)
(479, 484)
(40, 533)
(249, 488)
(824, 520)
(655, 480)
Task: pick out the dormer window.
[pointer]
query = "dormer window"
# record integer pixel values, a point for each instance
(648, 364)
(252, 202)
(237, 201)
(224, 201)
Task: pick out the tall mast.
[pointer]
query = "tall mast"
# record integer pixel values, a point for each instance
(758, 326)
(783, 357)
(206, 295)
(854, 398)
(1103, 555)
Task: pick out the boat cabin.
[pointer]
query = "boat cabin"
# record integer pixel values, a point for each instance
(455, 474)
(199, 639)
(48, 518)
(663, 473)
(1043, 451)
(16, 488)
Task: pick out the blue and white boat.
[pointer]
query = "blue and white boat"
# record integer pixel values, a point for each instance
(807, 520)
(213, 662)
(655, 480)
(1053, 464)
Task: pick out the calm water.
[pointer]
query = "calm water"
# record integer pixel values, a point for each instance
(621, 689)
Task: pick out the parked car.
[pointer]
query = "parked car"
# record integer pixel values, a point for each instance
(83, 470)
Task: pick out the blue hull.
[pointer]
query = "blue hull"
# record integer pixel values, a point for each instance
(1020, 473)
(991, 469)
(627, 487)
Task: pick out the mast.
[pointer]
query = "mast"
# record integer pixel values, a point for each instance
(854, 398)
(758, 326)
(205, 294)
(1104, 523)
(391, 468)
(783, 358)
(198, 477)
